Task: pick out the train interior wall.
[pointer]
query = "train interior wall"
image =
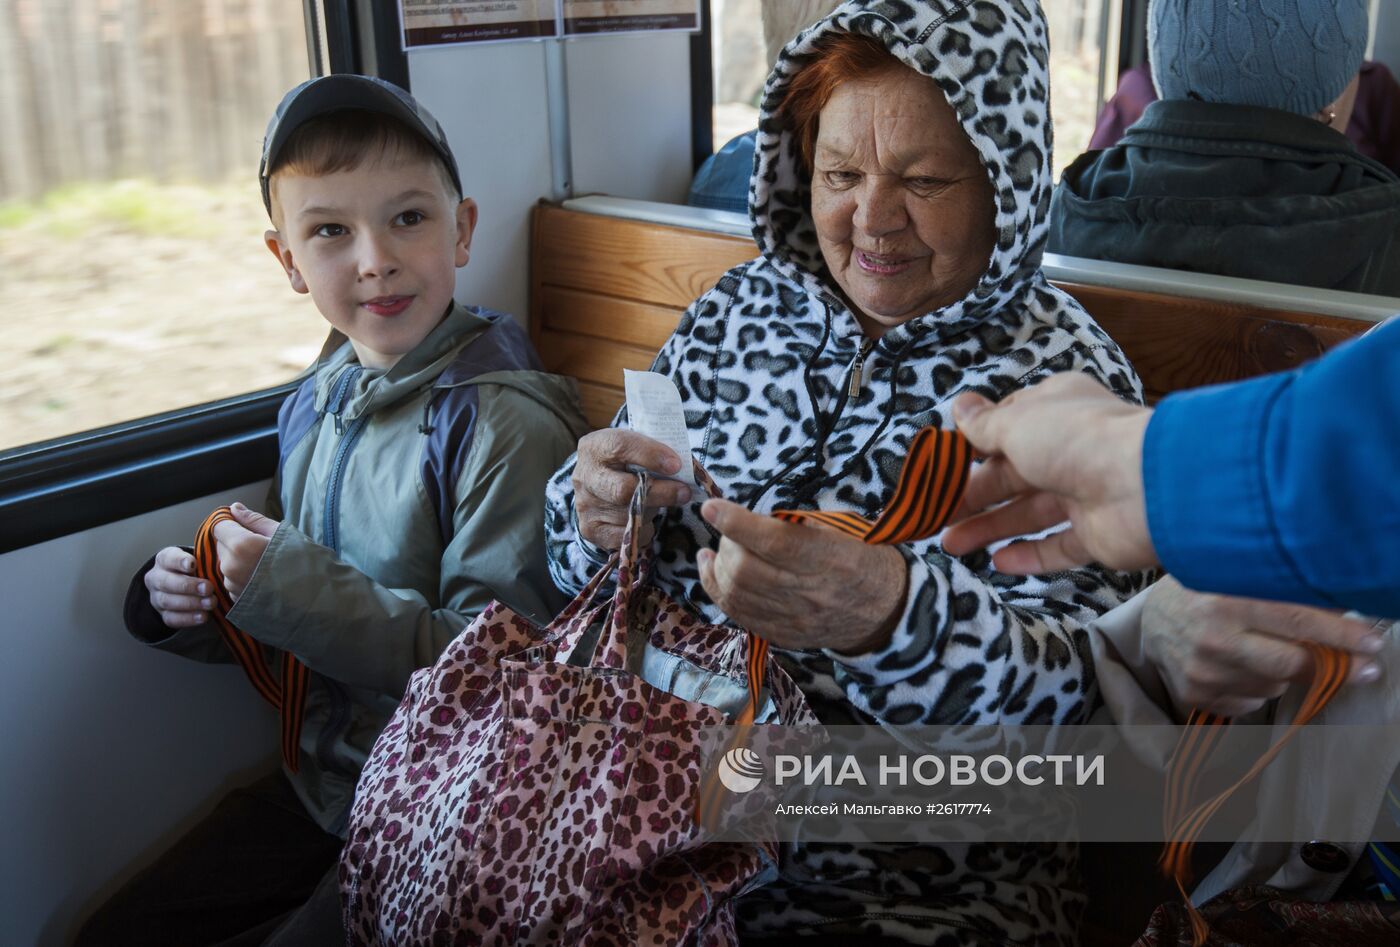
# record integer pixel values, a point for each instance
(110, 748)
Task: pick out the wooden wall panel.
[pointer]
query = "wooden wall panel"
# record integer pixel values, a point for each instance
(607, 317)
(599, 402)
(588, 359)
(648, 263)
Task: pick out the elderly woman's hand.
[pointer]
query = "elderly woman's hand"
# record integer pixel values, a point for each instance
(603, 486)
(1231, 655)
(802, 587)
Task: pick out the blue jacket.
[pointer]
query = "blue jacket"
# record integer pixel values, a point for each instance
(1287, 486)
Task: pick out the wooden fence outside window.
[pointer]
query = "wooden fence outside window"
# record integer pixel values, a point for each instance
(171, 90)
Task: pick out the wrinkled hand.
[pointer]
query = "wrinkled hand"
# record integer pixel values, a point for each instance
(241, 544)
(802, 587)
(603, 486)
(177, 593)
(1231, 655)
(1065, 449)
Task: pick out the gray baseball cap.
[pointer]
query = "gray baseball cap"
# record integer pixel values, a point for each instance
(342, 92)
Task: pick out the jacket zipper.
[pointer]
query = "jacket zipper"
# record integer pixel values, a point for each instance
(330, 517)
(339, 715)
(852, 390)
(858, 367)
(332, 512)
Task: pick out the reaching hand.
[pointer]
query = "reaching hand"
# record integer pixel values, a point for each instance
(802, 587)
(241, 544)
(1231, 655)
(1063, 450)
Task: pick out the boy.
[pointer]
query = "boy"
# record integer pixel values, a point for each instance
(409, 493)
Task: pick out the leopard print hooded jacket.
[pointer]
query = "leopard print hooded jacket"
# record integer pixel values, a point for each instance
(789, 406)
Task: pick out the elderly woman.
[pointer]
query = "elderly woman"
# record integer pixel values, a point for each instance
(899, 200)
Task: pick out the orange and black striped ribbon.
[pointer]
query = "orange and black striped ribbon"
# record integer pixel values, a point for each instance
(1203, 733)
(930, 485)
(288, 694)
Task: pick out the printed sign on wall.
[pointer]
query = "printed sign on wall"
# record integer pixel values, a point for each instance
(627, 16)
(452, 22)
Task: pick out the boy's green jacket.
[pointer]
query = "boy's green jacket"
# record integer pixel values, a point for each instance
(408, 500)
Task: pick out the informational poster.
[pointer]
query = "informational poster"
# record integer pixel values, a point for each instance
(629, 16)
(449, 22)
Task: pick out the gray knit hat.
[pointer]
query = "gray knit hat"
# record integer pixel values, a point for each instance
(1295, 55)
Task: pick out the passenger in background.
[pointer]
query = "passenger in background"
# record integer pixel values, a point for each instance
(408, 495)
(1236, 170)
(722, 183)
(1374, 125)
(1135, 93)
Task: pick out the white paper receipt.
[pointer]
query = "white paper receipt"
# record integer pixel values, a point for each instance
(654, 409)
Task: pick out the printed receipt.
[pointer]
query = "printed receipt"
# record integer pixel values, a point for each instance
(654, 409)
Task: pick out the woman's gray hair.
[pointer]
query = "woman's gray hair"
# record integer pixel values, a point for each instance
(784, 19)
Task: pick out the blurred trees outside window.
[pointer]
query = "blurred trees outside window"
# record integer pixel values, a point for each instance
(131, 224)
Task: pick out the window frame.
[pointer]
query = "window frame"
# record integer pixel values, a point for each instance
(77, 482)
(1132, 39)
(702, 91)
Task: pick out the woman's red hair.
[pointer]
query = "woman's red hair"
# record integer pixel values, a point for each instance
(836, 59)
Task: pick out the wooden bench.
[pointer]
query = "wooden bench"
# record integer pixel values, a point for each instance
(607, 292)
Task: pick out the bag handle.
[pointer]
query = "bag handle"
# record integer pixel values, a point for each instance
(618, 646)
(287, 695)
(930, 485)
(1203, 733)
(631, 560)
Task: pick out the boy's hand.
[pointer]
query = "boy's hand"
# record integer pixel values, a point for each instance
(240, 546)
(181, 597)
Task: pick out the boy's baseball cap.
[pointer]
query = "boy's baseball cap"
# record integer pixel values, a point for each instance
(341, 92)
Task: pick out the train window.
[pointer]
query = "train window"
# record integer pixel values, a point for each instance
(1079, 67)
(150, 336)
(131, 254)
(740, 63)
(746, 35)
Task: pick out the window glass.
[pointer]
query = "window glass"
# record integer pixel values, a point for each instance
(1076, 64)
(1088, 38)
(740, 63)
(132, 262)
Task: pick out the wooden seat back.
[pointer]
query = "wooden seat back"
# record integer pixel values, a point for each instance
(607, 292)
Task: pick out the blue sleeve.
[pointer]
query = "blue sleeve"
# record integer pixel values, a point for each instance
(1288, 486)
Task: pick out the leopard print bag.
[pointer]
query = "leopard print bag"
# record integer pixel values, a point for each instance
(531, 789)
